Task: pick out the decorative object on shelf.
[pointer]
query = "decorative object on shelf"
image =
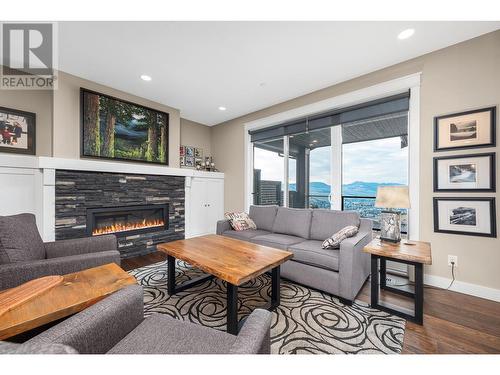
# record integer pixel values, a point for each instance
(17, 131)
(112, 128)
(467, 216)
(209, 164)
(198, 153)
(474, 172)
(189, 161)
(468, 129)
(390, 220)
(189, 151)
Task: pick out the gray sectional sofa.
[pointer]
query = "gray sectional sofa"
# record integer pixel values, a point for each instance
(340, 272)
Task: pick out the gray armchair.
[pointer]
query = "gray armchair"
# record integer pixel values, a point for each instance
(24, 256)
(116, 325)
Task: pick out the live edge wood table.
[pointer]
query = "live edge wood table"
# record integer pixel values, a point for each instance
(75, 292)
(233, 261)
(414, 253)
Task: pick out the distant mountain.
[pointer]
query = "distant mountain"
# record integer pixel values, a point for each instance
(364, 189)
(357, 188)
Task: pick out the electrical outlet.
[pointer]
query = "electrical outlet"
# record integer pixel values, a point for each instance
(452, 259)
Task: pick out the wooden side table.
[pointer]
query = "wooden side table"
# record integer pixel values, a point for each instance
(414, 253)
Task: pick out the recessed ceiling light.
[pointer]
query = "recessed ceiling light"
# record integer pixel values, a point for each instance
(145, 77)
(222, 108)
(315, 140)
(405, 34)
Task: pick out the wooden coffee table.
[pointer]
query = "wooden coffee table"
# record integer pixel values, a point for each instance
(233, 261)
(74, 293)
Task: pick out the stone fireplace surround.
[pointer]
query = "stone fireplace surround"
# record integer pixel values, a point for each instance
(77, 191)
(30, 184)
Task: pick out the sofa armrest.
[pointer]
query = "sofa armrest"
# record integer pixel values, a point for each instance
(14, 274)
(98, 328)
(222, 226)
(354, 264)
(79, 246)
(254, 337)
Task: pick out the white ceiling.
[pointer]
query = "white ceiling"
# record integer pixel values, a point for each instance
(243, 66)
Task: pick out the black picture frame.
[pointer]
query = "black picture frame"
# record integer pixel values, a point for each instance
(82, 114)
(31, 132)
(492, 142)
(492, 173)
(493, 223)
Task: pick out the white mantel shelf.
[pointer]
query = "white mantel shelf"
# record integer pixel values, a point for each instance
(43, 162)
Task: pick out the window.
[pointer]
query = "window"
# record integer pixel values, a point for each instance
(367, 165)
(269, 173)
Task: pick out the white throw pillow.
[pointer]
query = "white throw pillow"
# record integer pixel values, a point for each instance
(334, 241)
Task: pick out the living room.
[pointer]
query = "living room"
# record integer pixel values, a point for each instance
(205, 200)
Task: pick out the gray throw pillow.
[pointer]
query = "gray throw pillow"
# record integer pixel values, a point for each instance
(334, 241)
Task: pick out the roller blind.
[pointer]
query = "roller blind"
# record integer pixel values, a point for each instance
(377, 109)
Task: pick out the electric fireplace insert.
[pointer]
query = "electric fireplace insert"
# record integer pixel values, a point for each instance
(127, 220)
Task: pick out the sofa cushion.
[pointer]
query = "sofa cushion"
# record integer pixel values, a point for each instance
(276, 240)
(263, 216)
(293, 221)
(162, 334)
(311, 252)
(324, 223)
(19, 239)
(245, 235)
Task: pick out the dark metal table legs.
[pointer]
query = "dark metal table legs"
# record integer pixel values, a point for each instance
(417, 295)
(232, 301)
(232, 292)
(172, 288)
(232, 309)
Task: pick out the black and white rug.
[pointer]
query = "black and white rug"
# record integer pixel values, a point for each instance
(307, 321)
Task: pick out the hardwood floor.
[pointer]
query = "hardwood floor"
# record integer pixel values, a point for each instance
(454, 323)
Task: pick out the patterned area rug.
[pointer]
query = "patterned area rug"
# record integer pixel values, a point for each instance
(307, 321)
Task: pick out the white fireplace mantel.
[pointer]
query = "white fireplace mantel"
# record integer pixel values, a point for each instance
(43, 162)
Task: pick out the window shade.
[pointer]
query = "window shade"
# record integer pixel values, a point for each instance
(370, 110)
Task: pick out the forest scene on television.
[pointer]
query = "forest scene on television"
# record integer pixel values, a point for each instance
(116, 129)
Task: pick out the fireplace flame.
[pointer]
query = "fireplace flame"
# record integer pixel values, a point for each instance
(124, 227)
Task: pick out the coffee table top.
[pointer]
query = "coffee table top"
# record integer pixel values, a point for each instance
(413, 251)
(226, 258)
(74, 293)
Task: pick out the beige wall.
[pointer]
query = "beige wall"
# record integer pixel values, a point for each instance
(66, 112)
(196, 135)
(457, 78)
(36, 101)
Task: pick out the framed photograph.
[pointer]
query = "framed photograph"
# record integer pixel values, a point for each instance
(465, 130)
(467, 216)
(112, 128)
(182, 151)
(459, 173)
(198, 153)
(17, 131)
(182, 161)
(189, 162)
(189, 151)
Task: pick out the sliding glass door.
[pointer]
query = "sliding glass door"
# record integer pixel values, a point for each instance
(334, 160)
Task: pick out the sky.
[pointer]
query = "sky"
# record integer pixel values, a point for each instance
(374, 161)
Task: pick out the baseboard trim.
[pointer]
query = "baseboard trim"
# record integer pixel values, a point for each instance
(463, 287)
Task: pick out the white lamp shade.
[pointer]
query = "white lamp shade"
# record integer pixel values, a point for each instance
(392, 197)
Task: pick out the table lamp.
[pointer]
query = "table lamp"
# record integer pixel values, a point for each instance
(390, 197)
